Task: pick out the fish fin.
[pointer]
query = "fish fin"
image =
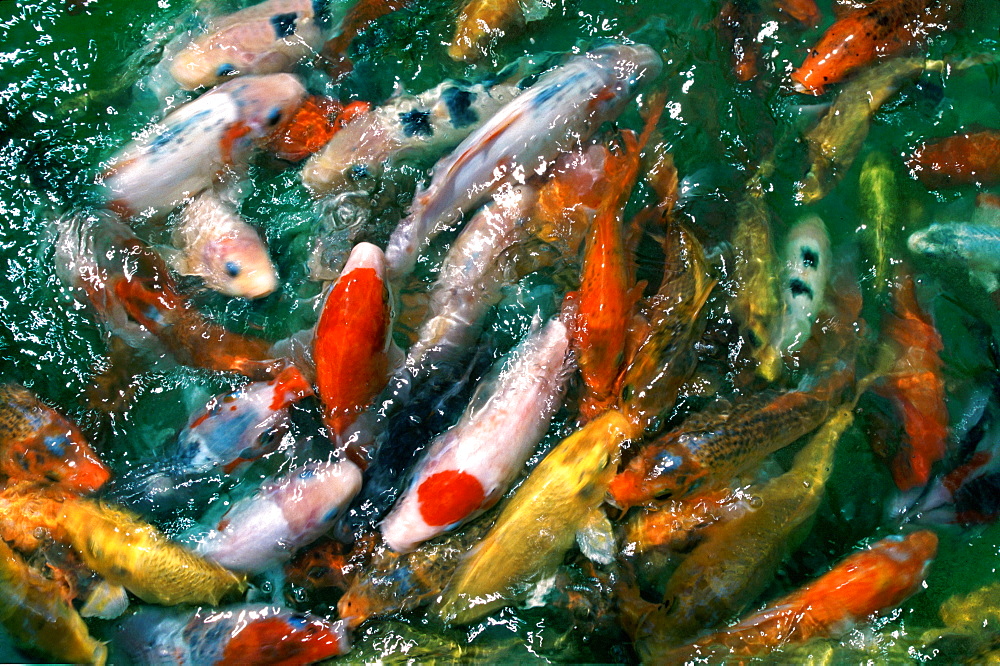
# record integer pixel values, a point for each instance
(106, 601)
(228, 141)
(596, 538)
(174, 258)
(986, 278)
(538, 595)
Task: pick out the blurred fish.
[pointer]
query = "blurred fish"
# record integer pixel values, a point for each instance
(915, 386)
(881, 29)
(265, 38)
(37, 443)
(972, 246)
(738, 23)
(701, 594)
(835, 141)
(35, 613)
(804, 11)
(539, 523)
(198, 143)
(358, 18)
(253, 635)
(405, 126)
(217, 245)
(963, 159)
(467, 469)
(132, 291)
(264, 529)
(353, 340)
(874, 580)
(312, 126)
(564, 107)
(881, 211)
(803, 292)
(232, 429)
(482, 22)
(711, 447)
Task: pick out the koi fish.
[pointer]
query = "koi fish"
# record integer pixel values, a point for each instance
(700, 594)
(312, 126)
(266, 38)
(974, 246)
(564, 107)
(467, 469)
(131, 290)
(480, 22)
(868, 582)
(915, 387)
(676, 523)
(353, 340)
(840, 133)
(539, 523)
(360, 16)
(35, 613)
(738, 24)
(247, 634)
(715, 445)
(881, 29)
(804, 11)
(405, 126)
(265, 529)
(231, 429)
(217, 245)
(37, 443)
(803, 287)
(881, 211)
(963, 159)
(198, 142)
(665, 357)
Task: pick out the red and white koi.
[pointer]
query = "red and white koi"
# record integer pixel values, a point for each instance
(563, 108)
(468, 468)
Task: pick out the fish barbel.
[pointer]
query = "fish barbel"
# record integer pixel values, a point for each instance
(539, 523)
(266, 38)
(564, 107)
(35, 613)
(37, 443)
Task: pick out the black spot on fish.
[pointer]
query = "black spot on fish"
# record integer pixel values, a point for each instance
(799, 288)
(359, 171)
(459, 103)
(284, 24)
(416, 123)
(225, 69)
(809, 258)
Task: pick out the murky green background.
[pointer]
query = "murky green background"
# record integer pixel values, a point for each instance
(77, 80)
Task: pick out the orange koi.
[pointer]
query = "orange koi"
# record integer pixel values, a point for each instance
(361, 15)
(37, 443)
(880, 29)
(312, 126)
(871, 581)
(915, 387)
(804, 11)
(738, 23)
(676, 523)
(353, 338)
(962, 159)
(479, 21)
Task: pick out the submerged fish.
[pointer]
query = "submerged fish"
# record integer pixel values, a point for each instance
(835, 141)
(35, 613)
(871, 581)
(738, 24)
(255, 635)
(881, 29)
(480, 22)
(359, 17)
(407, 126)
(265, 528)
(468, 468)
(197, 143)
(564, 107)
(37, 443)
(963, 159)
(266, 38)
(539, 523)
(217, 245)
(972, 246)
(881, 211)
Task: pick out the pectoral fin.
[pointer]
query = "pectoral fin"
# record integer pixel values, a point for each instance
(106, 601)
(596, 538)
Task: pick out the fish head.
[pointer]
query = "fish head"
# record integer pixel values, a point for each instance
(630, 67)
(265, 102)
(238, 264)
(937, 241)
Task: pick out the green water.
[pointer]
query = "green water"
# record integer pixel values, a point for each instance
(76, 82)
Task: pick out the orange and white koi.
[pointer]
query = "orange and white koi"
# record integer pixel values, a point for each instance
(266, 38)
(196, 144)
(468, 468)
(37, 443)
(564, 107)
(312, 126)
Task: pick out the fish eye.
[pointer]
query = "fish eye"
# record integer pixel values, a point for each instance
(274, 116)
(359, 171)
(225, 69)
(232, 269)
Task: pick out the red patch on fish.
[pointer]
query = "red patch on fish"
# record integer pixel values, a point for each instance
(228, 142)
(290, 386)
(963, 159)
(448, 497)
(278, 642)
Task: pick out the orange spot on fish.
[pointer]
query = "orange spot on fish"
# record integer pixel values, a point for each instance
(228, 142)
(277, 642)
(290, 386)
(448, 497)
